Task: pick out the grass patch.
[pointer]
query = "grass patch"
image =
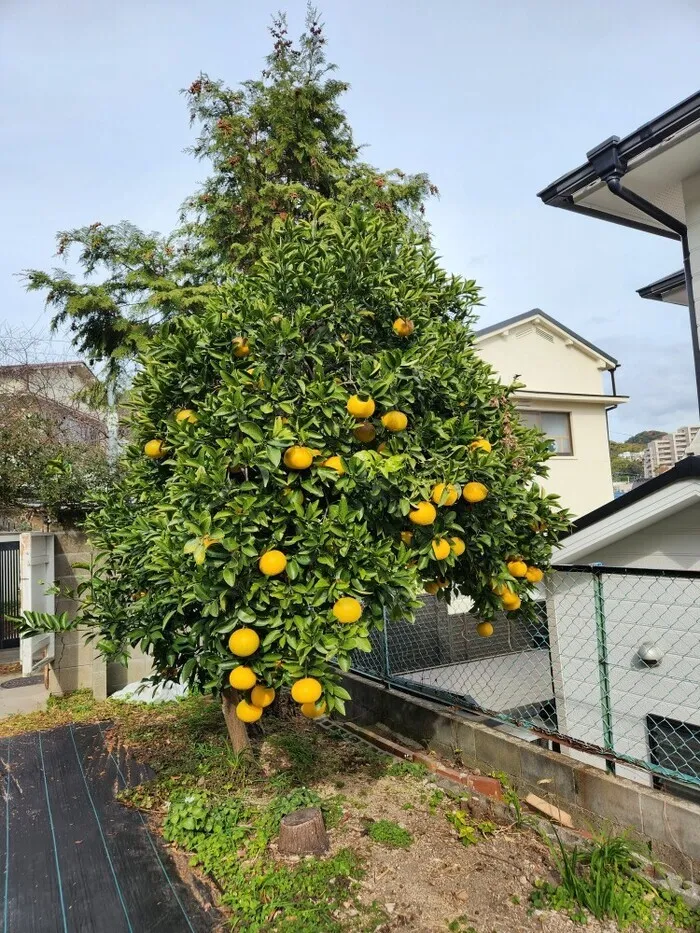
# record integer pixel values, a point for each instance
(412, 769)
(606, 881)
(388, 833)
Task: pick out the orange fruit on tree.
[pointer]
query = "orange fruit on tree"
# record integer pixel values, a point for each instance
(481, 444)
(441, 548)
(475, 492)
(347, 609)
(246, 712)
(262, 696)
(334, 463)
(154, 449)
(423, 514)
(242, 678)
(458, 546)
(534, 575)
(511, 601)
(395, 421)
(241, 347)
(365, 432)
(298, 458)
(186, 415)
(272, 563)
(499, 588)
(306, 690)
(403, 327)
(360, 407)
(517, 568)
(444, 494)
(244, 642)
(313, 710)
(485, 629)
(407, 537)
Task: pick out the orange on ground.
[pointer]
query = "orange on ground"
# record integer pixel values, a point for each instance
(313, 710)
(244, 642)
(441, 548)
(403, 327)
(242, 678)
(450, 493)
(262, 696)
(365, 432)
(485, 629)
(272, 563)
(246, 712)
(154, 449)
(517, 568)
(481, 444)
(347, 609)
(458, 546)
(423, 514)
(510, 601)
(306, 690)
(359, 407)
(475, 492)
(395, 421)
(186, 414)
(298, 458)
(241, 347)
(334, 463)
(534, 575)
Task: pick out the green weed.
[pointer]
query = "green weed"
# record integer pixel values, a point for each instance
(470, 833)
(390, 834)
(412, 769)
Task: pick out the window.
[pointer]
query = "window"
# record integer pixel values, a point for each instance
(555, 424)
(675, 746)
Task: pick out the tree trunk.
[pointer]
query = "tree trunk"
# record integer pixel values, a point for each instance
(237, 732)
(303, 833)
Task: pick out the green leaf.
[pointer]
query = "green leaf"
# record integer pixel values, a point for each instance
(251, 429)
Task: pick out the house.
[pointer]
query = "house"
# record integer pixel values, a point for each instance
(625, 630)
(664, 452)
(564, 394)
(648, 180)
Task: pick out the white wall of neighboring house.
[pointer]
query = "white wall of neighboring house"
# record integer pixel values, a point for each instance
(560, 375)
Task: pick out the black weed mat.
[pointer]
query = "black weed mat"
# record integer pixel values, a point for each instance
(22, 681)
(73, 859)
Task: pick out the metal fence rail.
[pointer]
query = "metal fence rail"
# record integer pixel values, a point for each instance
(610, 667)
(9, 593)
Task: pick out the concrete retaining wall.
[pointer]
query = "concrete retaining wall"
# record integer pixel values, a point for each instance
(593, 798)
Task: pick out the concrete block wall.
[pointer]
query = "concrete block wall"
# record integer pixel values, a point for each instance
(593, 798)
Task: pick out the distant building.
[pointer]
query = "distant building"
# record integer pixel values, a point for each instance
(663, 453)
(631, 455)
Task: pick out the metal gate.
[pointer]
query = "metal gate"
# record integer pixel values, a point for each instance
(9, 593)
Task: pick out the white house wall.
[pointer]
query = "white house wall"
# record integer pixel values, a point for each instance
(671, 544)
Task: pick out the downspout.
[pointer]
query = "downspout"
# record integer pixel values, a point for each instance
(611, 168)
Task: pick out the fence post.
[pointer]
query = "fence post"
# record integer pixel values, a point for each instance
(603, 674)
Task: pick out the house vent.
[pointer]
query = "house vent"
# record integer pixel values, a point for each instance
(544, 334)
(523, 332)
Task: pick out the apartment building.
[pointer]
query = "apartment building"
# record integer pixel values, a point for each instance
(663, 453)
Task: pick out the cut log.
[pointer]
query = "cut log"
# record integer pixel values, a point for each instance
(303, 833)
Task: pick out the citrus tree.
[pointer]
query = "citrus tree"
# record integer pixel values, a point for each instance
(310, 455)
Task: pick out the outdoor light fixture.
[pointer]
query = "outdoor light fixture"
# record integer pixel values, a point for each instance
(649, 654)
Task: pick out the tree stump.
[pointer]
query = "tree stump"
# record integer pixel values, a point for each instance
(303, 833)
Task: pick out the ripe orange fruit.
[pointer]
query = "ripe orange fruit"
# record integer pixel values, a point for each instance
(154, 449)
(485, 629)
(298, 458)
(365, 432)
(246, 712)
(441, 548)
(306, 690)
(423, 514)
(510, 601)
(241, 347)
(499, 588)
(450, 493)
(534, 575)
(517, 568)
(262, 696)
(313, 710)
(360, 407)
(334, 463)
(186, 415)
(475, 492)
(244, 642)
(347, 609)
(403, 327)
(458, 546)
(272, 563)
(407, 537)
(395, 421)
(432, 587)
(481, 444)
(242, 678)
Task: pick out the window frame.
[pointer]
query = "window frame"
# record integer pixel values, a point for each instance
(552, 411)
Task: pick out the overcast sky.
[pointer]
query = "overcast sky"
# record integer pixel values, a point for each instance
(493, 100)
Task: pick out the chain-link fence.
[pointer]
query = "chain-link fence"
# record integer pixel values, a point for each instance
(610, 667)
